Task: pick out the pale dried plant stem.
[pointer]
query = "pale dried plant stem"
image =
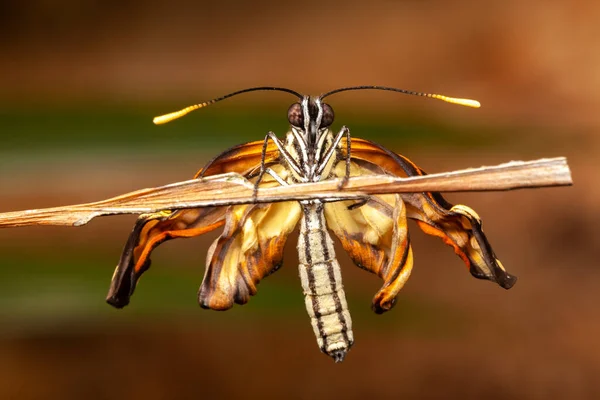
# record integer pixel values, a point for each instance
(232, 188)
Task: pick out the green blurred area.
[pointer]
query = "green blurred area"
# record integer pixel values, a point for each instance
(117, 130)
(42, 294)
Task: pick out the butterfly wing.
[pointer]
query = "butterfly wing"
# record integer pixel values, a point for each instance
(375, 236)
(250, 248)
(458, 226)
(244, 159)
(150, 230)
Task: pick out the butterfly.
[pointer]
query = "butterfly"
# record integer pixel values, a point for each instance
(372, 229)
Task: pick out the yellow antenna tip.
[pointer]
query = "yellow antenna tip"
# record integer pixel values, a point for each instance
(163, 119)
(454, 100)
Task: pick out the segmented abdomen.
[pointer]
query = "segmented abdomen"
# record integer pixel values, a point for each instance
(322, 283)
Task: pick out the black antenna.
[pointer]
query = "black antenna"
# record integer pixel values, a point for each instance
(453, 100)
(163, 119)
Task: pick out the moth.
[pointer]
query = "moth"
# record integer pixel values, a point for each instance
(372, 230)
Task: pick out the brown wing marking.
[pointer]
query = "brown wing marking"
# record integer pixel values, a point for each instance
(458, 226)
(366, 150)
(243, 159)
(250, 248)
(375, 236)
(149, 231)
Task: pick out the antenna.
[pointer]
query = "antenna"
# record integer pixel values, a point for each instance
(163, 119)
(447, 99)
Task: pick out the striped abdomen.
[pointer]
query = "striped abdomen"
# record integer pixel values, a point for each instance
(322, 283)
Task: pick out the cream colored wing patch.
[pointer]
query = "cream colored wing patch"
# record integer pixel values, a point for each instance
(375, 236)
(250, 248)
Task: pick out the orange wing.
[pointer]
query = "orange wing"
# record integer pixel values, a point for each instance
(244, 159)
(458, 226)
(150, 230)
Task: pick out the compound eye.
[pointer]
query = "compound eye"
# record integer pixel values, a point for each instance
(296, 116)
(328, 115)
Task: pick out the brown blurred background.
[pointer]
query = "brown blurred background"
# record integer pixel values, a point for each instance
(79, 85)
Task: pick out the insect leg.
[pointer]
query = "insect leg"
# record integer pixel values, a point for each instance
(343, 132)
(284, 153)
(276, 176)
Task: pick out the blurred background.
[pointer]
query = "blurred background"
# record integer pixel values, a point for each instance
(79, 84)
